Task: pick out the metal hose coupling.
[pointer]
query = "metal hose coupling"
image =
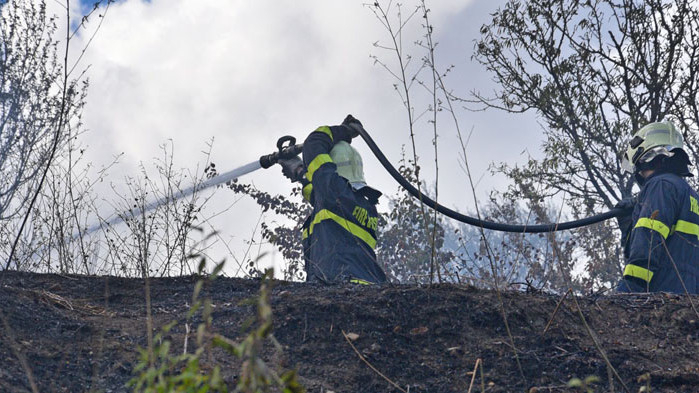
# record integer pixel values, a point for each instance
(286, 148)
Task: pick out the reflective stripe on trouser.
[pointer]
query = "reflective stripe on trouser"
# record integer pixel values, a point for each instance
(351, 227)
(638, 272)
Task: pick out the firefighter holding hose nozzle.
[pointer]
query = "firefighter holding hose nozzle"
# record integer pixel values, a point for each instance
(339, 237)
(660, 232)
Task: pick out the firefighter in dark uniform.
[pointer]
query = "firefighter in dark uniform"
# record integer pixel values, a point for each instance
(339, 237)
(661, 233)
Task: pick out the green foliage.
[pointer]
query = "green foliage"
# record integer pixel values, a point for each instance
(161, 371)
(256, 376)
(158, 370)
(174, 373)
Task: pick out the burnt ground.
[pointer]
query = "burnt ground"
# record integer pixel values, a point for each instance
(78, 334)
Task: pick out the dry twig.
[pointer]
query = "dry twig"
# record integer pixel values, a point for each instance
(598, 346)
(548, 325)
(60, 300)
(369, 364)
(479, 362)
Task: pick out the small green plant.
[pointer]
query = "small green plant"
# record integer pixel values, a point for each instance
(174, 373)
(256, 376)
(160, 371)
(586, 385)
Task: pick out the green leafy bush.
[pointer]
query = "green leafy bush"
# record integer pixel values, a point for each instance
(161, 371)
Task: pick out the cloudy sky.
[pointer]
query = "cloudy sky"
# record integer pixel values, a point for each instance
(243, 73)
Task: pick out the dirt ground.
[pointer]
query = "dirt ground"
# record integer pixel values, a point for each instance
(80, 334)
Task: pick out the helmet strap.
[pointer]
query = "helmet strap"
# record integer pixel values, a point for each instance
(640, 180)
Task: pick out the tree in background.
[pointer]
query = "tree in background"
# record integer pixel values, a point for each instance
(594, 72)
(44, 194)
(35, 106)
(38, 105)
(542, 261)
(405, 247)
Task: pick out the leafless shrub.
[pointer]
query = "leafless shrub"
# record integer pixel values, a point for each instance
(285, 233)
(159, 218)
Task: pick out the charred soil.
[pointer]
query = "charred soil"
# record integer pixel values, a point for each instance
(79, 334)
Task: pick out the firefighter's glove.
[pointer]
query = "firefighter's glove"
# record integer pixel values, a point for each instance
(292, 168)
(627, 205)
(348, 130)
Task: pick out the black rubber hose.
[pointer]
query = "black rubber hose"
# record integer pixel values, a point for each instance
(474, 221)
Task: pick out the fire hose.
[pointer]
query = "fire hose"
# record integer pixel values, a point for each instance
(292, 149)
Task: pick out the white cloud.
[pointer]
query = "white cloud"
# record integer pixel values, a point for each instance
(248, 72)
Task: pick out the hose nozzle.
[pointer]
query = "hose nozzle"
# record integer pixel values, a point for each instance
(287, 148)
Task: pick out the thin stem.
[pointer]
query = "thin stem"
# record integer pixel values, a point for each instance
(369, 364)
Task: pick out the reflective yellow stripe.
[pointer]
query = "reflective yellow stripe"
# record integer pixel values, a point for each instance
(351, 227)
(359, 281)
(307, 189)
(304, 234)
(655, 225)
(686, 227)
(638, 272)
(693, 205)
(325, 130)
(317, 163)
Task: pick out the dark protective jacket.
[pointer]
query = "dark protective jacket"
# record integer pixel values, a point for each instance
(664, 238)
(340, 235)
